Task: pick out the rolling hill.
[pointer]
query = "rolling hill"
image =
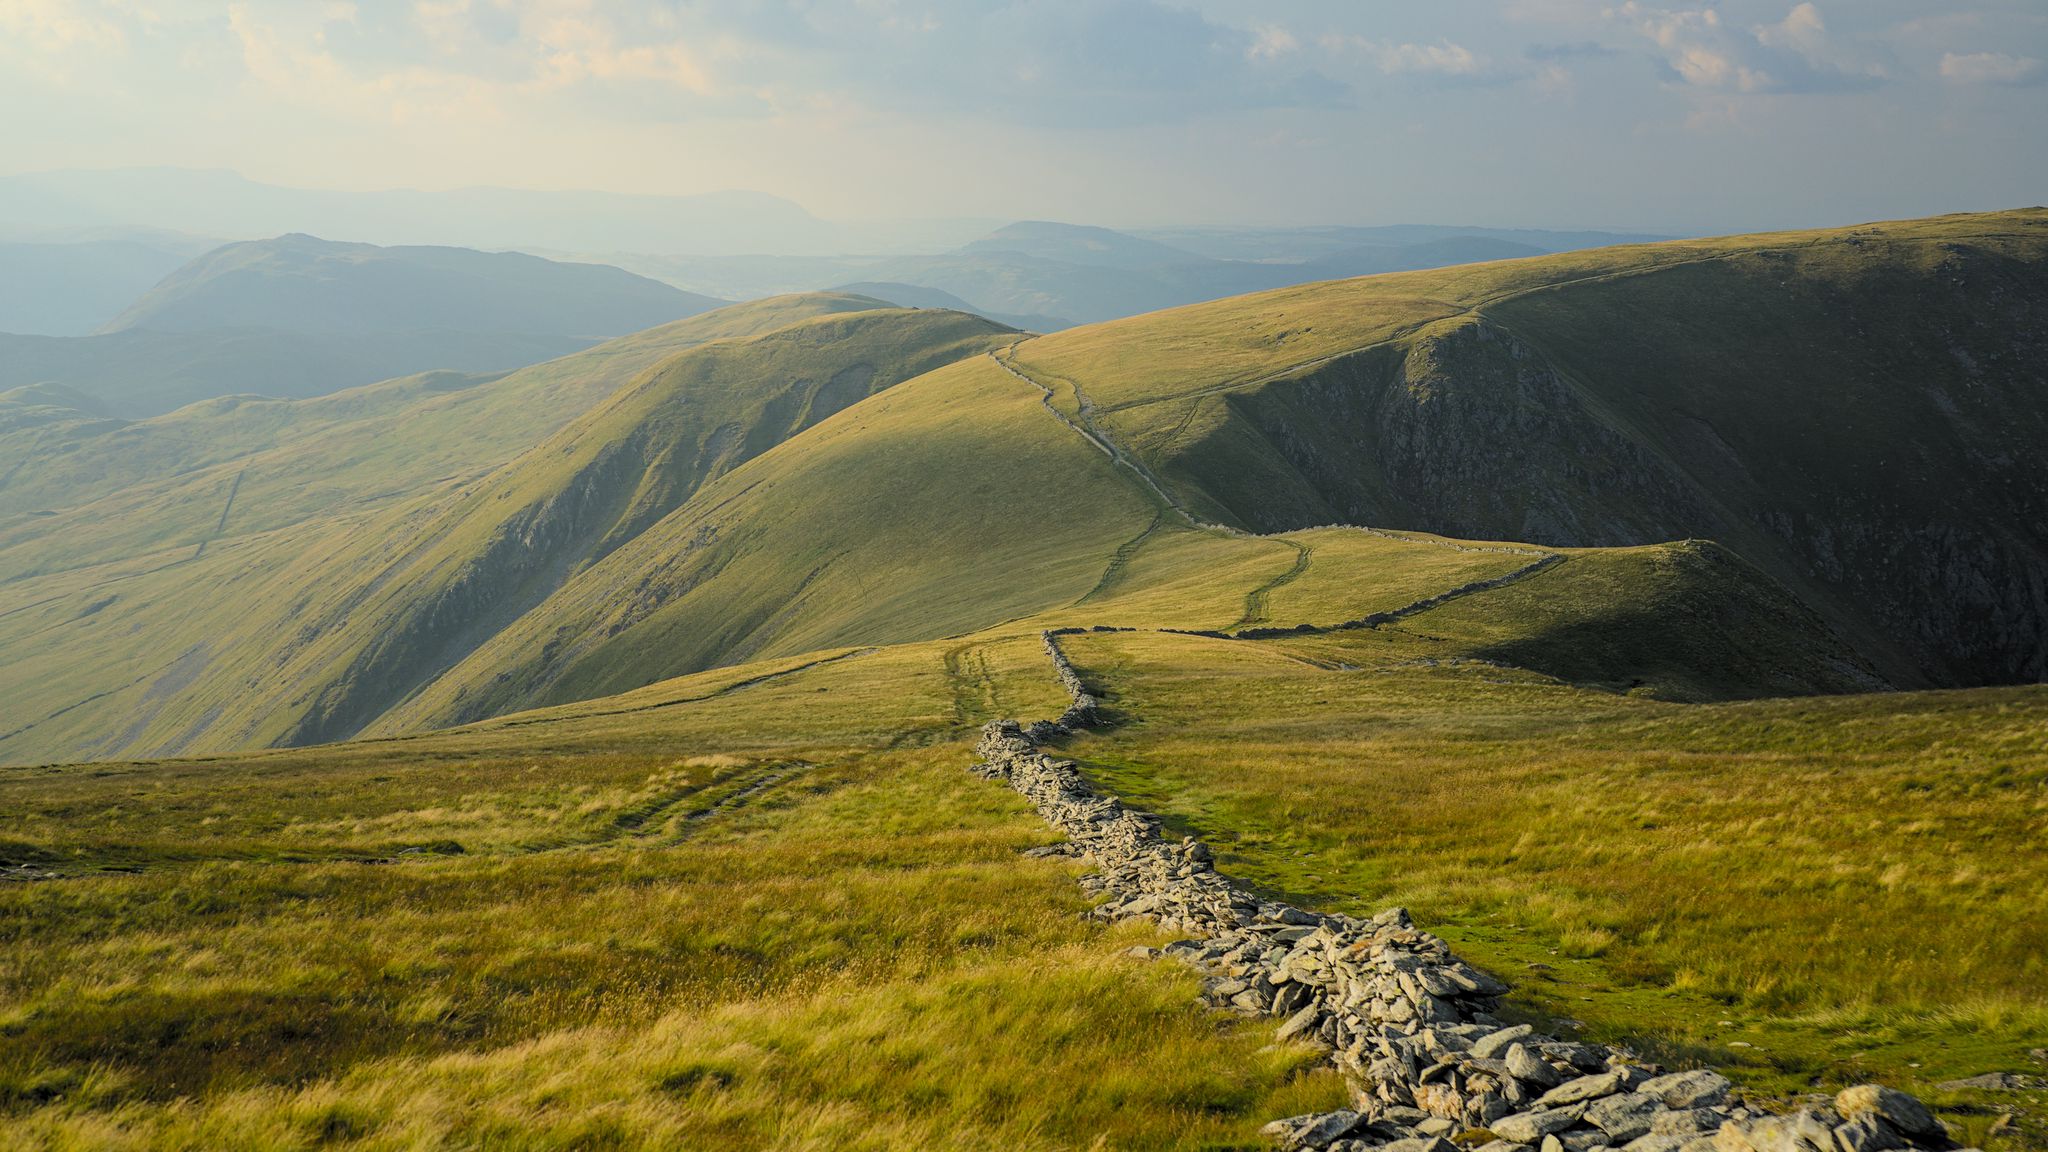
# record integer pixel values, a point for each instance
(296, 317)
(299, 283)
(1492, 402)
(672, 655)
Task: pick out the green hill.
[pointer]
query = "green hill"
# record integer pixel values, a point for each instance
(706, 620)
(754, 500)
(303, 587)
(1854, 411)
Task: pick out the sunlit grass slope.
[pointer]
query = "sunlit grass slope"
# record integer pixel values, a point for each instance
(1854, 410)
(764, 905)
(721, 913)
(310, 627)
(122, 489)
(1808, 891)
(943, 505)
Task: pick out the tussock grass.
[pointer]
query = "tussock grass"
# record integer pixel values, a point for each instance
(1833, 877)
(855, 957)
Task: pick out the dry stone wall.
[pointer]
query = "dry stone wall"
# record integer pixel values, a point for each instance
(1410, 1024)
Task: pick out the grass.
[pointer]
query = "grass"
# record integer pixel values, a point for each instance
(1830, 882)
(307, 627)
(853, 957)
(373, 576)
(1828, 404)
(764, 904)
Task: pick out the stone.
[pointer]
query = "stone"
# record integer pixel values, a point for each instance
(1910, 1117)
(1498, 1145)
(1531, 1127)
(1655, 1142)
(1867, 1133)
(1299, 1023)
(1420, 1144)
(1526, 1066)
(1437, 1126)
(1582, 1139)
(1583, 1088)
(1700, 1088)
(1492, 1044)
(1684, 1122)
(1321, 1131)
(1624, 1117)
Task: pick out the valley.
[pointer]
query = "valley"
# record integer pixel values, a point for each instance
(593, 736)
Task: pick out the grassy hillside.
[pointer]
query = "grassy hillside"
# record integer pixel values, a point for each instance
(123, 489)
(765, 904)
(598, 485)
(137, 374)
(659, 538)
(1852, 410)
(178, 601)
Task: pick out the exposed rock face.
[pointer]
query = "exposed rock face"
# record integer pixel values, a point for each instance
(1406, 1020)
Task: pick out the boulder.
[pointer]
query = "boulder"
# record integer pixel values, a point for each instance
(1532, 1127)
(1324, 1130)
(1904, 1113)
(1685, 1122)
(1583, 1088)
(1624, 1117)
(1529, 1068)
(1867, 1133)
(1493, 1044)
(1699, 1088)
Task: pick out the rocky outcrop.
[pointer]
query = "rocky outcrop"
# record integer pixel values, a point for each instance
(1410, 1024)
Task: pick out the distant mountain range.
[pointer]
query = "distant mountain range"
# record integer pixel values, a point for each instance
(1044, 276)
(298, 316)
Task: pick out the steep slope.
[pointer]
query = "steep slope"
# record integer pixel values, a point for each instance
(320, 610)
(1856, 411)
(945, 504)
(120, 490)
(601, 482)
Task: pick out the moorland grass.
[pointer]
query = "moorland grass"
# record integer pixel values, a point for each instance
(1805, 892)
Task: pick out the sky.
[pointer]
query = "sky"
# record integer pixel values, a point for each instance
(1542, 113)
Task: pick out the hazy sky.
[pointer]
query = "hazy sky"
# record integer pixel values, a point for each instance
(1529, 112)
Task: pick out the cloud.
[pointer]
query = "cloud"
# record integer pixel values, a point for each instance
(1582, 50)
(1991, 68)
(47, 37)
(1793, 55)
(1443, 58)
(1270, 43)
(1802, 30)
